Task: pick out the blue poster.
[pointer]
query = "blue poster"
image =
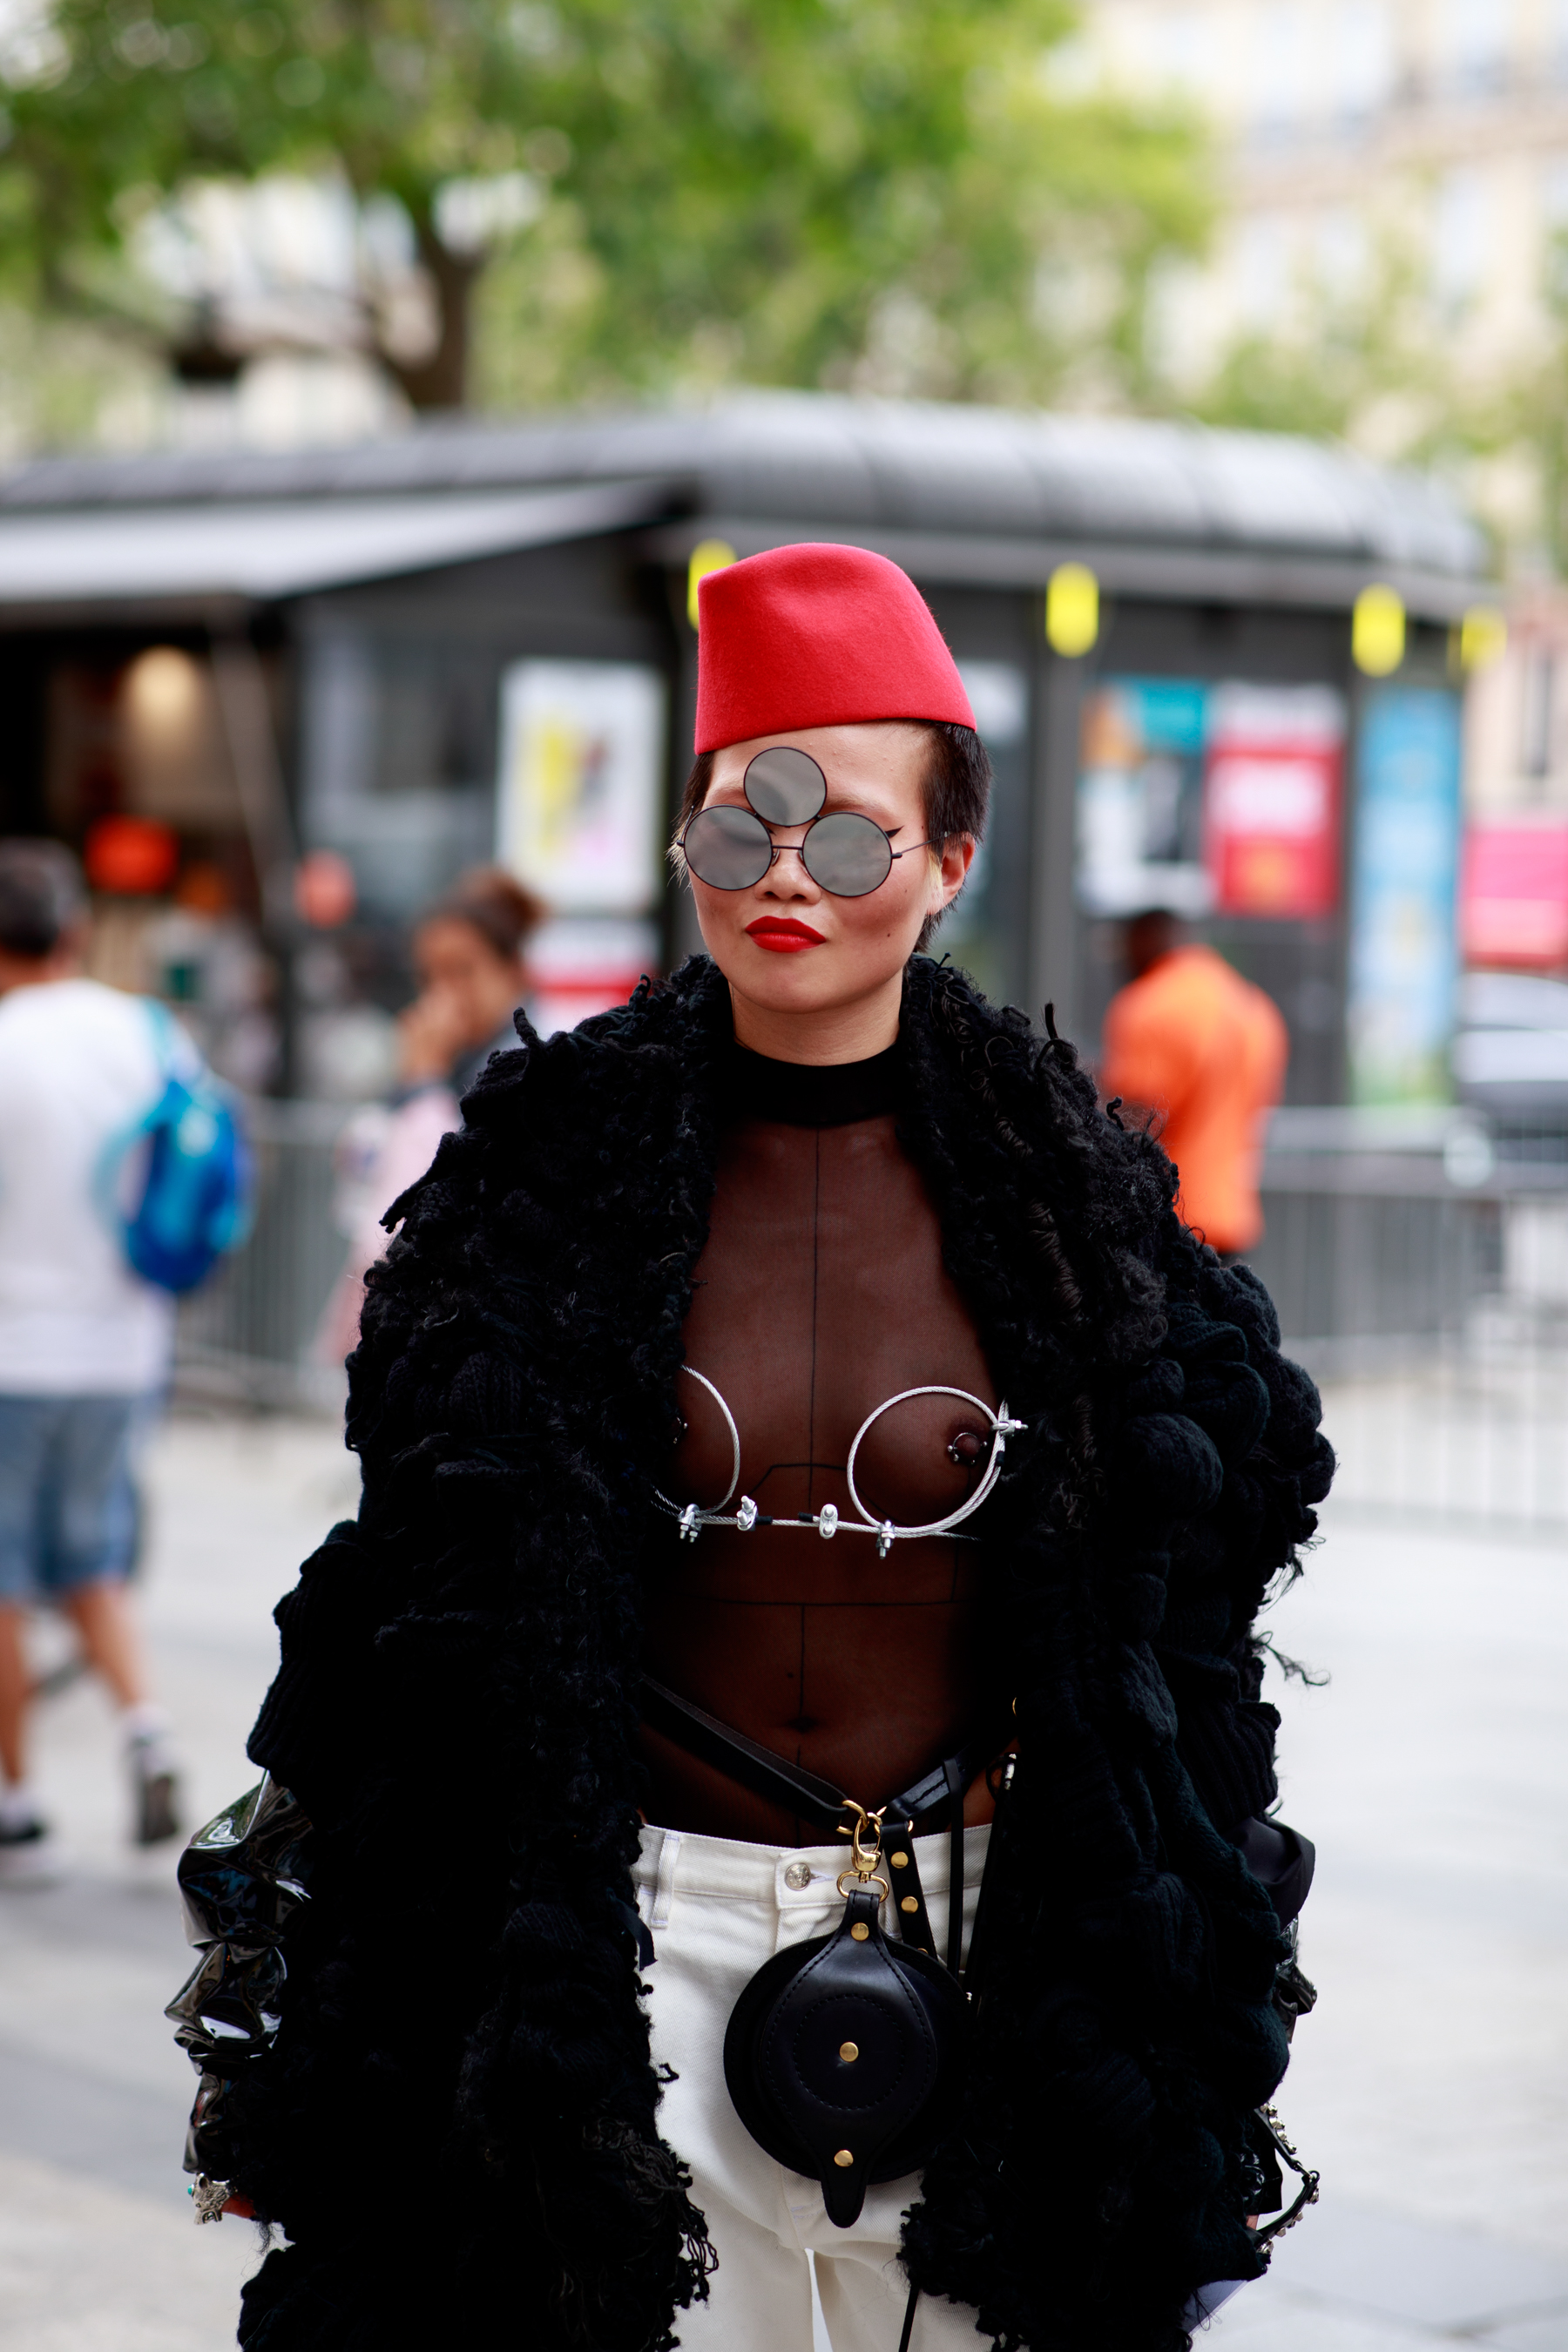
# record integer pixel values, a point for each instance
(1403, 954)
(1140, 797)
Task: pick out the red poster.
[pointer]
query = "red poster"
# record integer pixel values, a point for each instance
(1272, 795)
(1513, 897)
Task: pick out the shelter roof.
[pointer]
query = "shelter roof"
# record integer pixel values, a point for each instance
(960, 493)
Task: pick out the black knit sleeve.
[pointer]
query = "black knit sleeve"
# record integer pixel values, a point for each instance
(1260, 1413)
(311, 1720)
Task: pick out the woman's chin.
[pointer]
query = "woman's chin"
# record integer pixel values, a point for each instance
(816, 974)
(784, 983)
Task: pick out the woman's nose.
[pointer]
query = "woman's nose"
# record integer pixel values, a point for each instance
(786, 877)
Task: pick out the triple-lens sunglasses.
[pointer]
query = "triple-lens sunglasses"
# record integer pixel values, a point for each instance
(845, 854)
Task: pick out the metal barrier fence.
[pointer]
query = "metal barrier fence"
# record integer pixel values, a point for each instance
(245, 1335)
(1421, 1277)
(1421, 1273)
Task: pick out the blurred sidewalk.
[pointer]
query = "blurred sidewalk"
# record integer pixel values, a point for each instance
(99, 2252)
(1430, 2087)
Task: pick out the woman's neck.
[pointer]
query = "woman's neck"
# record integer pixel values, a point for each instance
(833, 1032)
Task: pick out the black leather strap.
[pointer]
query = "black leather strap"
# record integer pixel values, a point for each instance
(909, 1895)
(909, 2319)
(756, 1767)
(954, 1869)
(979, 1941)
(815, 1799)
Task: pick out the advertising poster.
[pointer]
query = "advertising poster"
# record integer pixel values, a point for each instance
(579, 818)
(1211, 799)
(1271, 800)
(1140, 797)
(581, 964)
(1403, 947)
(579, 797)
(1513, 897)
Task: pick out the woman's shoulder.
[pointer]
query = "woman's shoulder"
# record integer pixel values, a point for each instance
(557, 1125)
(652, 1049)
(1036, 1099)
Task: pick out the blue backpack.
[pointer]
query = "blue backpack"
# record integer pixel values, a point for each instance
(196, 1195)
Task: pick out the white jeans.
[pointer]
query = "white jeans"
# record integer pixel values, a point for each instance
(718, 1910)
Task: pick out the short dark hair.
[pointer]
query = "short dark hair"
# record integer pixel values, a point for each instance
(41, 895)
(493, 903)
(956, 788)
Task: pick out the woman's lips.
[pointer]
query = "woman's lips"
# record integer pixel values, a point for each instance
(781, 935)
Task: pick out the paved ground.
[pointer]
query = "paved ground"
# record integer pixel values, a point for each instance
(98, 2249)
(1431, 2086)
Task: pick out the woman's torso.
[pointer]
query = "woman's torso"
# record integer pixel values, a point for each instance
(820, 1294)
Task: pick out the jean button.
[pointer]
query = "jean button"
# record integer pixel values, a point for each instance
(797, 1875)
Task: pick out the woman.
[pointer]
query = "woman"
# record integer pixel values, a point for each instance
(469, 953)
(637, 1332)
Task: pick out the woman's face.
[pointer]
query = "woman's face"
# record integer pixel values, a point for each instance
(787, 945)
(477, 988)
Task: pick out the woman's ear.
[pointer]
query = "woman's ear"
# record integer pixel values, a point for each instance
(951, 865)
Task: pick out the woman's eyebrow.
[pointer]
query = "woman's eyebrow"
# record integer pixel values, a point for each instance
(856, 808)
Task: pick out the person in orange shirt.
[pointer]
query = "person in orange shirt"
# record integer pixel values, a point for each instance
(1202, 1050)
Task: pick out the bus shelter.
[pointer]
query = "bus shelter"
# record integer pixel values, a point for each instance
(279, 699)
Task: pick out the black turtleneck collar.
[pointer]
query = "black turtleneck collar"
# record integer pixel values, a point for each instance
(811, 1094)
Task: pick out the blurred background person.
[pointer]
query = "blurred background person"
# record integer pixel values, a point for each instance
(469, 952)
(85, 1342)
(1201, 1050)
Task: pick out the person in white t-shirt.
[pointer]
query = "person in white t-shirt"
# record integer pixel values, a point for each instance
(85, 1343)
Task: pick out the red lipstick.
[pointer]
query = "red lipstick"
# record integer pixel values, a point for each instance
(781, 935)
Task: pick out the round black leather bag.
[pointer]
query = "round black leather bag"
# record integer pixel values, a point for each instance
(842, 2056)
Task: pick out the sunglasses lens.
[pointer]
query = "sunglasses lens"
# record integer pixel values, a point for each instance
(785, 787)
(847, 854)
(727, 848)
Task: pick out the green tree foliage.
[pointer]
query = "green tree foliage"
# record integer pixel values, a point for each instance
(883, 192)
(1375, 365)
(1533, 415)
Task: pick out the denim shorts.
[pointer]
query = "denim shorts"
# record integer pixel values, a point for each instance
(68, 1509)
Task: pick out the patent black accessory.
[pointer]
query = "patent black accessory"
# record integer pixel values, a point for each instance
(241, 1880)
(1295, 1994)
(846, 854)
(1279, 2143)
(842, 2055)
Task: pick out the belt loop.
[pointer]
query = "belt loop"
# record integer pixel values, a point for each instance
(664, 1893)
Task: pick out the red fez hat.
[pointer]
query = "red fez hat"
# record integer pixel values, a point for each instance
(818, 636)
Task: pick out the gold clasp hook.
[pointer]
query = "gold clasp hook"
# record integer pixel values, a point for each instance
(864, 1855)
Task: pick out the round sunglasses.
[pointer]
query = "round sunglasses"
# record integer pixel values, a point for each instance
(845, 854)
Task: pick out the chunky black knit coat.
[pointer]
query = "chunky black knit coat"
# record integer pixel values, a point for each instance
(458, 2128)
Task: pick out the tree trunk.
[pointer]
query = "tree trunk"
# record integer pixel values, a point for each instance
(441, 379)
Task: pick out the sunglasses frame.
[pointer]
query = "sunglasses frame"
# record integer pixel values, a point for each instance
(777, 849)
